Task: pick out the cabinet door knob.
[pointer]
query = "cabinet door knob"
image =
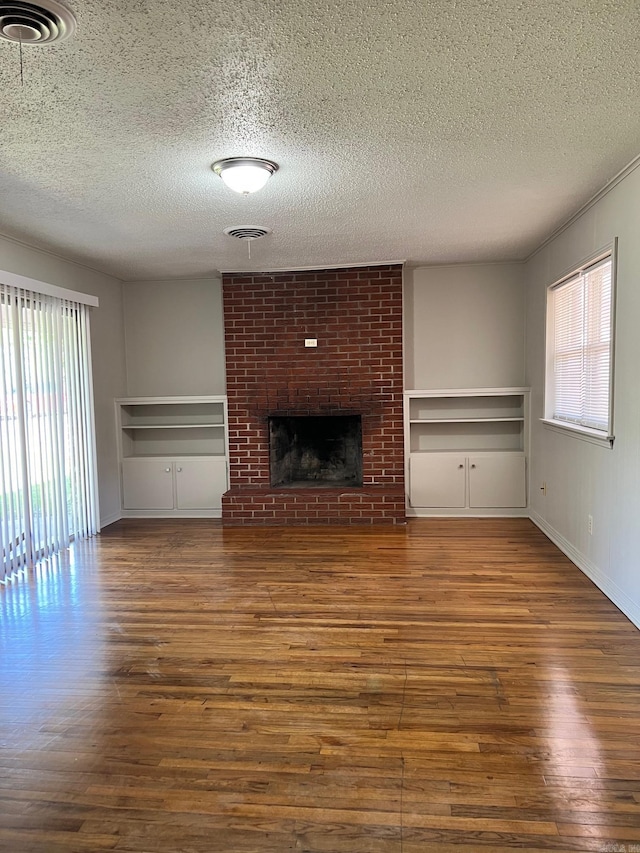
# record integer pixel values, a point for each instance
(473, 464)
(178, 470)
(167, 470)
(461, 465)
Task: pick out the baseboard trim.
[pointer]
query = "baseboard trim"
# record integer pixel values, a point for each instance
(161, 513)
(613, 592)
(423, 512)
(110, 519)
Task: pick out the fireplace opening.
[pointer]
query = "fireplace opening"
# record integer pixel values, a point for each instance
(315, 451)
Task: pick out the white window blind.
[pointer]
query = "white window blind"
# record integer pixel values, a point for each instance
(47, 462)
(580, 327)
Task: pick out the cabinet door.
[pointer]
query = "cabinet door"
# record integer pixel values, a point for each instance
(497, 480)
(437, 480)
(147, 484)
(200, 483)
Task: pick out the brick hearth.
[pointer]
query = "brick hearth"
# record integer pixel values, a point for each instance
(356, 368)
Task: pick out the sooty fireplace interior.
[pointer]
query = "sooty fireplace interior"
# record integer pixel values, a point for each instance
(315, 451)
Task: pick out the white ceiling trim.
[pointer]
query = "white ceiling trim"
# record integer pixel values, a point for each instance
(622, 174)
(314, 267)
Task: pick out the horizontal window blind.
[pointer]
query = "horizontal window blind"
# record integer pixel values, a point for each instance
(47, 463)
(582, 347)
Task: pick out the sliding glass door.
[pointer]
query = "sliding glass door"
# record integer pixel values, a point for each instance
(47, 463)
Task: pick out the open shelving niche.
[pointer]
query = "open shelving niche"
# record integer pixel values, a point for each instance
(461, 430)
(173, 455)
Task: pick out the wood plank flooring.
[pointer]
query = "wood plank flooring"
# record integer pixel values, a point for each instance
(177, 687)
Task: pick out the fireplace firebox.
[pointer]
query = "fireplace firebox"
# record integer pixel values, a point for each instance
(315, 451)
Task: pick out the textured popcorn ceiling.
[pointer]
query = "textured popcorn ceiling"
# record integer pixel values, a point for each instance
(427, 131)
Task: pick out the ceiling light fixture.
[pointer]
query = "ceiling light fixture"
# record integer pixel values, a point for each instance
(245, 174)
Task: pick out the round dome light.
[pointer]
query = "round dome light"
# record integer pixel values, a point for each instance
(245, 174)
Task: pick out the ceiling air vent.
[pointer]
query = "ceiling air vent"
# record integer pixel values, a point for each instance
(247, 233)
(42, 22)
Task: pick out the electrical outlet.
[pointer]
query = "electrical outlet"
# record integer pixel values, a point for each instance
(590, 524)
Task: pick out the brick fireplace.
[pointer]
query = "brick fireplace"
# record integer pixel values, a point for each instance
(355, 369)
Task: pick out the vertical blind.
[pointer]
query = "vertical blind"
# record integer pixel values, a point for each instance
(582, 347)
(47, 463)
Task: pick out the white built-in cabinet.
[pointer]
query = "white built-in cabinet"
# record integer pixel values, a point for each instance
(466, 451)
(173, 455)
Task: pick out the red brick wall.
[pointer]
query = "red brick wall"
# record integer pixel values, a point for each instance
(356, 316)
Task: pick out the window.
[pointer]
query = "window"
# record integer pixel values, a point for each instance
(580, 350)
(47, 458)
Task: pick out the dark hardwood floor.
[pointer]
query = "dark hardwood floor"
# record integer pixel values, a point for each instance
(177, 687)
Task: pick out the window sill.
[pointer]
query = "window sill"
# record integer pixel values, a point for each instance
(593, 436)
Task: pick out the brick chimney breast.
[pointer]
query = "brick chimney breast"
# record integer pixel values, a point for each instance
(355, 368)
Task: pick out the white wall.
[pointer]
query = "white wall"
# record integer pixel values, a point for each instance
(174, 334)
(107, 345)
(464, 326)
(584, 479)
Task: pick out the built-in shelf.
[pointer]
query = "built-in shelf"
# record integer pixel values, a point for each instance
(466, 450)
(471, 449)
(172, 426)
(173, 455)
(463, 420)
